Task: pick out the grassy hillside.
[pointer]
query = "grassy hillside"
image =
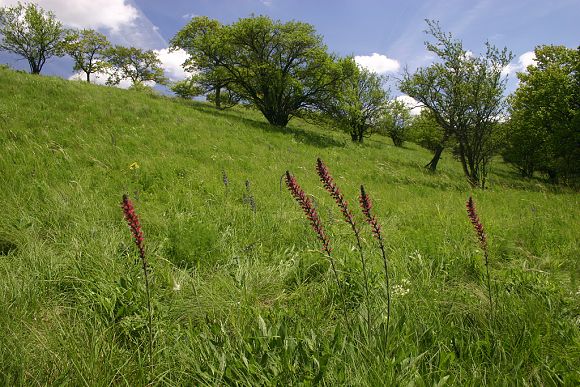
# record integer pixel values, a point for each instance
(243, 296)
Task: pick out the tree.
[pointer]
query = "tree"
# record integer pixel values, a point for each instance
(465, 94)
(426, 132)
(186, 88)
(360, 101)
(31, 32)
(87, 48)
(202, 39)
(545, 121)
(135, 64)
(282, 69)
(397, 122)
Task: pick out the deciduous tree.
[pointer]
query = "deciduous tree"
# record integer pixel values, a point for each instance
(465, 94)
(135, 64)
(397, 121)
(31, 32)
(360, 101)
(545, 120)
(283, 69)
(87, 48)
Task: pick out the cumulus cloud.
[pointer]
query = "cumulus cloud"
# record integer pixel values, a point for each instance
(411, 103)
(377, 63)
(125, 23)
(524, 60)
(101, 79)
(172, 63)
(108, 14)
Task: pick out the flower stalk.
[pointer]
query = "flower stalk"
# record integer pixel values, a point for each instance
(137, 233)
(330, 186)
(312, 215)
(366, 205)
(482, 240)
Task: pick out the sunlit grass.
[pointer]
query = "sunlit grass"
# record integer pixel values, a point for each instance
(247, 296)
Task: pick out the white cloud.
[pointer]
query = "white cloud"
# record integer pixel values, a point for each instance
(172, 63)
(109, 14)
(377, 63)
(524, 60)
(528, 59)
(411, 103)
(100, 79)
(124, 22)
(188, 16)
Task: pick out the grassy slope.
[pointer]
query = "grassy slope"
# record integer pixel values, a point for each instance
(246, 297)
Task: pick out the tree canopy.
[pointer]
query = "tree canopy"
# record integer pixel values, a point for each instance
(87, 48)
(31, 32)
(545, 121)
(465, 94)
(360, 101)
(283, 69)
(135, 64)
(397, 121)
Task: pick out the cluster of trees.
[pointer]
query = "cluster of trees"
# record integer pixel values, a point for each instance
(37, 35)
(284, 70)
(543, 131)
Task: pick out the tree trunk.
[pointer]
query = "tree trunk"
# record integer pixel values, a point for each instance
(278, 119)
(88, 77)
(432, 165)
(218, 102)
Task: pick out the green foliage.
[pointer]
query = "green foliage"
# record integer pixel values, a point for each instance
(360, 101)
(465, 94)
(31, 32)
(72, 305)
(397, 121)
(545, 120)
(425, 131)
(187, 88)
(139, 66)
(283, 69)
(87, 48)
(201, 38)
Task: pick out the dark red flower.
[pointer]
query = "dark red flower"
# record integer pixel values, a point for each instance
(478, 227)
(366, 206)
(330, 186)
(308, 209)
(133, 223)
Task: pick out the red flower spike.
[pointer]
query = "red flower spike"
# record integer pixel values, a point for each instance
(477, 226)
(134, 225)
(366, 205)
(330, 186)
(306, 204)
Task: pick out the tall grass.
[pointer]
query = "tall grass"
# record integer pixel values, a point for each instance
(243, 297)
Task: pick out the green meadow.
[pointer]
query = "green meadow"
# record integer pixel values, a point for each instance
(240, 291)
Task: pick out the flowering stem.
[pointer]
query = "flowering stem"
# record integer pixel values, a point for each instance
(312, 215)
(330, 186)
(482, 239)
(135, 227)
(366, 205)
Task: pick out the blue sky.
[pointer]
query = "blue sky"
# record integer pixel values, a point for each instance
(385, 35)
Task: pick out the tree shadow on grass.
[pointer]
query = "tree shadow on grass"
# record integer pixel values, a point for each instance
(301, 135)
